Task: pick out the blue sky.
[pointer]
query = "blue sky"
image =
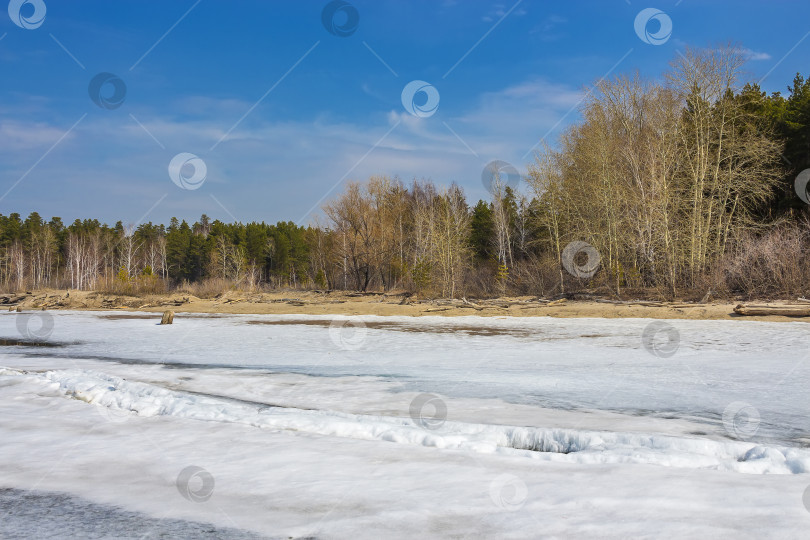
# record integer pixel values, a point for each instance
(305, 110)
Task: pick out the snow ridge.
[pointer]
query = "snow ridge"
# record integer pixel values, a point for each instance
(563, 445)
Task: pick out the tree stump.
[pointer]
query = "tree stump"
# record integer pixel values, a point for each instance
(168, 317)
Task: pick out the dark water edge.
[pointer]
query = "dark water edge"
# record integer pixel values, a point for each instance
(42, 514)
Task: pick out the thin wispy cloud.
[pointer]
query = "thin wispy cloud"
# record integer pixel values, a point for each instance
(499, 10)
(756, 55)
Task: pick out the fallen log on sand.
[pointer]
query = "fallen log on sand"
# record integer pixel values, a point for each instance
(644, 303)
(12, 298)
(785, 311)
(180, 301)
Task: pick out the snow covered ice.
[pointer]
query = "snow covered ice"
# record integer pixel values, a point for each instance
(337, 427)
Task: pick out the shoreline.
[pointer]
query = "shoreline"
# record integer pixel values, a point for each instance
(384, 304)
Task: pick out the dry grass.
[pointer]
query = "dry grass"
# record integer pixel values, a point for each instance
(207, 288)
(773, 264)
(137, 286)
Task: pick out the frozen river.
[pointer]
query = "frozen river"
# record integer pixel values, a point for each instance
(308, 426)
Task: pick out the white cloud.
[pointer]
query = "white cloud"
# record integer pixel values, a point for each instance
(20, 136)
(499, 10)
(749, 54)
(755, 55)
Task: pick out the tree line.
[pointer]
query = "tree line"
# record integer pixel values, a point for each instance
(671, 186)
(90, 255)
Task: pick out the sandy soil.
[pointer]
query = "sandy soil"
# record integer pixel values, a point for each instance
(332, 303)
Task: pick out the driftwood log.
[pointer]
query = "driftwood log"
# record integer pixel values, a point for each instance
(178, 302)
(785, 311)
(12, 298)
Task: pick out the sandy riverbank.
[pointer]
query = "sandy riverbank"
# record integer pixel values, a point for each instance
(341, 303)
